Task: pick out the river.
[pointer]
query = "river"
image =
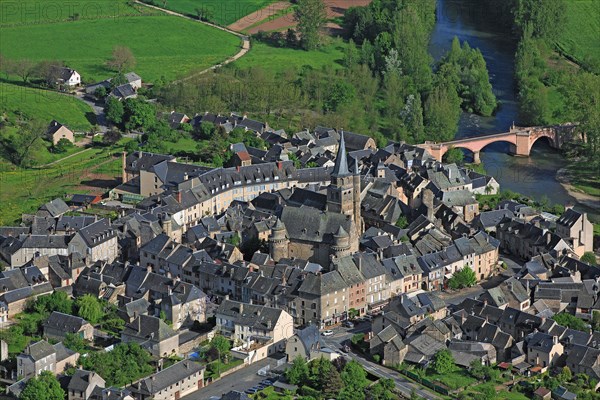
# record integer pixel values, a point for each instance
(533, 176)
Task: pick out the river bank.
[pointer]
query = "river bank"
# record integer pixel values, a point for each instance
(565, 177)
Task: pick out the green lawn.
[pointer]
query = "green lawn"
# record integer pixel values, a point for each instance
(44, 11)
(24, 190)
(278, 59)
(581, 36)
(222, 12)
(45, 106)
(164, 46)
(454, 380)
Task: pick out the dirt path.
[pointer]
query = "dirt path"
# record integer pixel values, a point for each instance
(64, 158)
(244, 48)
(335, 8)
(260, 15)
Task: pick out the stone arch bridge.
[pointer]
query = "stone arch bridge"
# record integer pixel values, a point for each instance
(521, 140)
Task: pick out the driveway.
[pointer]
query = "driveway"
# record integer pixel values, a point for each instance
(240, 380)
(98, 110)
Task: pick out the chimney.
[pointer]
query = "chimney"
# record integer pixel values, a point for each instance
(179, 196)
(237, 168)
(279, 165)
(185, 176)
(241, 308)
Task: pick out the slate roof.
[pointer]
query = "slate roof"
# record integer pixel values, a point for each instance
(39, 350)
(168, 376)
(55, 207)
(97, 233)
(252, 315)
(144, 327)
(314, 225)
(340, 169)
(310, 338)
(81, 380)
(64, 322)
(569, 218)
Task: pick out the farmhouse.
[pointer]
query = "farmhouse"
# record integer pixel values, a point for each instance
(57, 131)
(64, 76)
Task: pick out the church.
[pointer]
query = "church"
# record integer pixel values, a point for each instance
(319, 234)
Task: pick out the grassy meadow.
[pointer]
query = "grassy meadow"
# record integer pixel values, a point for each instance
(24, 190)
(278, 59)
(222, 12)
(581, 37)
(164, 46)
(26, 103)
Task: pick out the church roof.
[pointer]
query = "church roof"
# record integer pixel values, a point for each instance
(341, 161)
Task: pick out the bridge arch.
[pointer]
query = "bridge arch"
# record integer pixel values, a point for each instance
(478, 147)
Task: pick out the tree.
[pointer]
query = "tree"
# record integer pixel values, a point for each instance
(122, 59)
(311, 16)
(382, 390)
(114, 110)
(74, 342)
(355, 380)
(43, 387)
(455, 156)
(100, 92)
(589, 258)
(23, 68)
(139, 114)
(111, 137)
(221, 344)
(49, 71)
(565, 375)
(443, 362)
(63, 145)
(402, 222)
(570, 321)
(18, 147)
(333, 383)
(89, 308)
(463, 278)
(297, 374)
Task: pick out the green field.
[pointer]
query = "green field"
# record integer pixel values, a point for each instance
(44, 11)
(278, 59)
(24, 190)
(222, 12)
(164, 46)
(45, 105)
(581, 36)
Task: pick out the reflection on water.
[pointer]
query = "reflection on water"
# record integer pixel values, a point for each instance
(535, 175)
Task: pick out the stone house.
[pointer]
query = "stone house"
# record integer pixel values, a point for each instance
(97, 241)
(576, 227)
(543, 350)
(58, 325)
(152, 334)
(244, 323)
(42, 356)
(82, 385)
(57, 131)
(172, 383)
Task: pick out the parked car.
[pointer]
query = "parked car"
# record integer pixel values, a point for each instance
(251, 391)
(328, 332)
(348, 324)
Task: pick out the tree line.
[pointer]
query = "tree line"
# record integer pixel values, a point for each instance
(387, 87)
(549, 93)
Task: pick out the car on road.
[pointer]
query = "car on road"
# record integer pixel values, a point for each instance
(251, 390)
(328, 332)
(348, 324)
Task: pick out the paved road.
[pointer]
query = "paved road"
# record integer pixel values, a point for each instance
(405, 386)
(240, 380)
(98, 110)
